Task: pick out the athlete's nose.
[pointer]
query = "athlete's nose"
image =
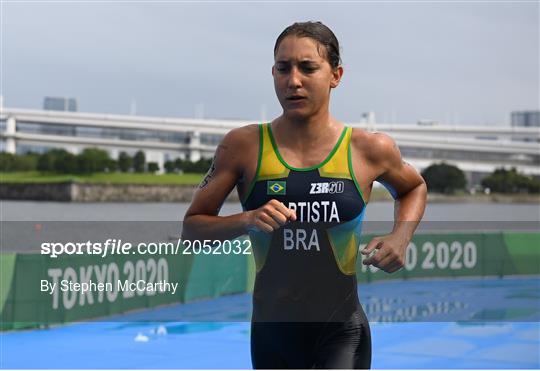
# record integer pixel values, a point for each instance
(295, 80)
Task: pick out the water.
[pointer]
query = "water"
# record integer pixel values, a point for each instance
(376, 211)
(28, 223)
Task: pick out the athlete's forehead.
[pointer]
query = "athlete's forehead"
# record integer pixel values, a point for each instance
(299, 49)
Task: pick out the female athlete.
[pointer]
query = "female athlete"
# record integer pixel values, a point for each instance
(304, 180)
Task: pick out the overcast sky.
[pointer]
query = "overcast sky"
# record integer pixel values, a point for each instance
(458, 63)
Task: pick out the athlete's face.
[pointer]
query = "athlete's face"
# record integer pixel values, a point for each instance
(303, 77)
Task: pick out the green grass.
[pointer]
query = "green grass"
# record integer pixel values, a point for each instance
(104, 178)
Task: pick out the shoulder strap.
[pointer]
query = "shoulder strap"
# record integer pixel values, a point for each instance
(338, 165)
(270, 166)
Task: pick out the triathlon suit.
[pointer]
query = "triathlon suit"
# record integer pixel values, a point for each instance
(306, 312)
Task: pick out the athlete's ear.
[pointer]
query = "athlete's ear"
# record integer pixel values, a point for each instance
(272, 70)
(336, 76)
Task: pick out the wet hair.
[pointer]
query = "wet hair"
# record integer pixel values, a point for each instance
(318, 32)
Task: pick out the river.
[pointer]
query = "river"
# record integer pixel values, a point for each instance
(376, 211)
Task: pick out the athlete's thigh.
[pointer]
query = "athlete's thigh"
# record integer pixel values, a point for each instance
(264, 350)
(283, 345)
(265, 358)
(351, 356)
(279, 345)
(346, 346)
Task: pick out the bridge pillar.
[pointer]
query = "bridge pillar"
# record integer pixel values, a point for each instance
(11, 145)
(157, 157)
(194, 152)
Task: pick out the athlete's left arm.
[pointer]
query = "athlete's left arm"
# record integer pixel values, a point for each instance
(409, 191)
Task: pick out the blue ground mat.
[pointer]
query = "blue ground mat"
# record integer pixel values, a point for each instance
(441, 324)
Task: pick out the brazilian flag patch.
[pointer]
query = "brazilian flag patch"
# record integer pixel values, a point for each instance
(276, 187)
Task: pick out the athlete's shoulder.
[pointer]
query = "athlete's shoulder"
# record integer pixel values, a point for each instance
(239, 146)
(376, 147)
(242, 139)
(242, 135)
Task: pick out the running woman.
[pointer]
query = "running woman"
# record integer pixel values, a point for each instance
(304, 180)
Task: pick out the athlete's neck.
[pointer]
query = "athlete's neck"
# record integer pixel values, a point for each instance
(303, 134)
(300, 140)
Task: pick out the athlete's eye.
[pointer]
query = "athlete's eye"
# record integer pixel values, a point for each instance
(308, 67)
(282, 67)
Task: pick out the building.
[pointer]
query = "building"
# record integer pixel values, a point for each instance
(477, 150)
(60, 104)
(525, 119)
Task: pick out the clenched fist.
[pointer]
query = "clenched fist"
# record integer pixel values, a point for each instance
(269, 217)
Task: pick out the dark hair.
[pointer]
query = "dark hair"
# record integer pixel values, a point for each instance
(318, 32)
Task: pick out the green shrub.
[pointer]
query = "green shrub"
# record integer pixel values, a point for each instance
(92, 160)
(444, 178)
(65, 162)
(12, 162)
(169, 167)
(510, 181)
(139, 160)
(153, 167)
(125, 162)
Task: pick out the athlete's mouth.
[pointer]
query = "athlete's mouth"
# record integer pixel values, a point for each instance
(295, 97)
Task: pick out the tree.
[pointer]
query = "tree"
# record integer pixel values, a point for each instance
(112, 165)
(153, 167)
(139, 161)
(46, 161)
(57, 160)
(125, 162)
(444, 178)
(179, 165)
(6, 161)
(26, 162)
(169, 166)
(510, 181)
(201, 166)
(93, 160)
(65, 162)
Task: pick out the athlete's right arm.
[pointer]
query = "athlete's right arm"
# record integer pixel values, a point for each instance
(228, 167)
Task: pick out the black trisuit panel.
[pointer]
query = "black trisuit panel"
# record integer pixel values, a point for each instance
(306, 312)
